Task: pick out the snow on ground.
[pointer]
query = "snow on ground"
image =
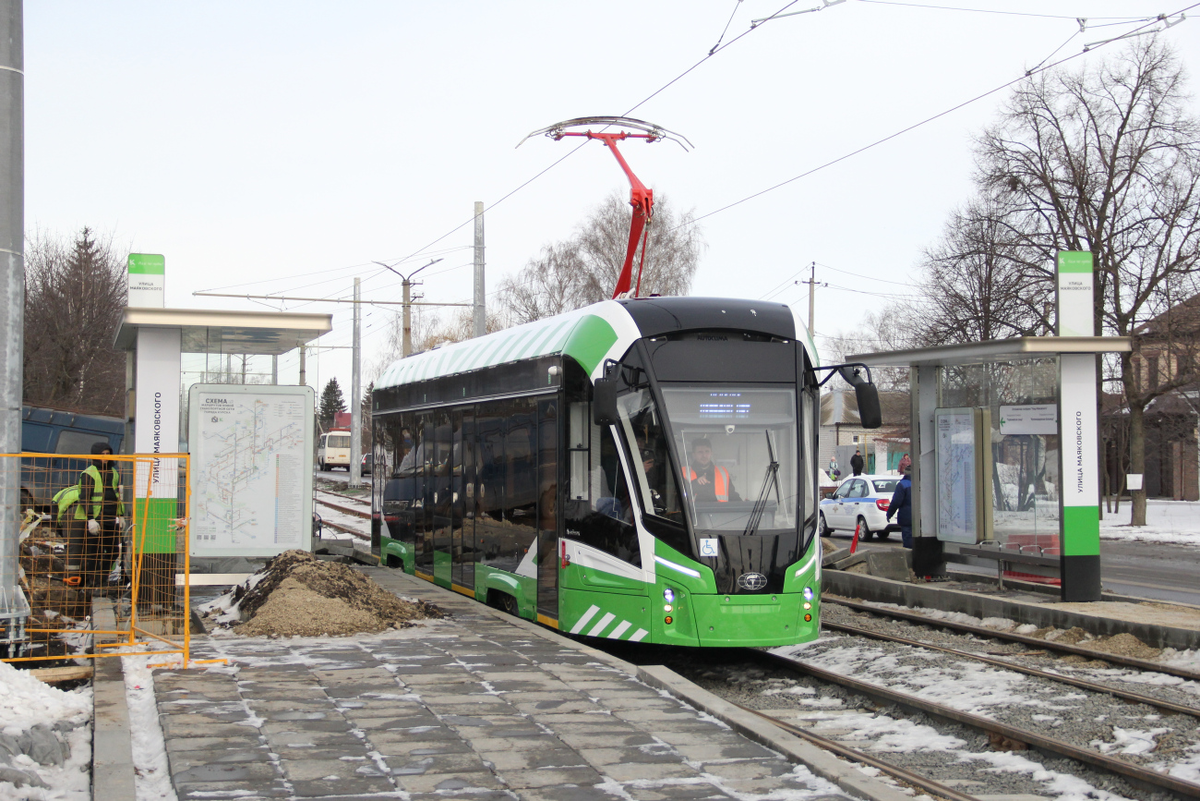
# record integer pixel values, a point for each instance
(26, 701)
(153, 774)
(1171, 522)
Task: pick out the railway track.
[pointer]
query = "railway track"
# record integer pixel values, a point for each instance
(859, 683)
(1036, 643)
(1006, 735)
(350, 506)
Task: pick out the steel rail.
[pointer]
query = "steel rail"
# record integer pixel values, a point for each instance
(356, 534)
(853, 754)
(1049, 645)
(1048, 745)
(346, 510)
(343, 496)
(1124, 695)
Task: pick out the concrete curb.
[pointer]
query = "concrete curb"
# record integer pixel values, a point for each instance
(881, 590)
(112, 744)
(821, 763)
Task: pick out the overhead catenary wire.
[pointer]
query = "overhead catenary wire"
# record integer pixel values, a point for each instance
(1028, 73)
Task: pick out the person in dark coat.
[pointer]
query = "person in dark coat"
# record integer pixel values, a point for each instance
(856, 463)
(901, 507)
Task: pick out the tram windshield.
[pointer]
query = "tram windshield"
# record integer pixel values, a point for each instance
(738, 458)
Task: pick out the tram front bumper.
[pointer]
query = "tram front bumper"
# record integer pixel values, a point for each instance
(754, 620)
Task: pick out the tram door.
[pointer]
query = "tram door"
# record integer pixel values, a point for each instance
(548, 527)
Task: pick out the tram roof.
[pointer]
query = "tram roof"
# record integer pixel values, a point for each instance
(591, 332)
(594, 333)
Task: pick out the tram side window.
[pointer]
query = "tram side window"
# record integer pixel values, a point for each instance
(506, 445)
(604, 519)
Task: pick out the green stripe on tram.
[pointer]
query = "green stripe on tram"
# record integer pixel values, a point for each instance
(590, 341)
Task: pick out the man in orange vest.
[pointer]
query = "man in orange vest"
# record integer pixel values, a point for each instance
(709, 482)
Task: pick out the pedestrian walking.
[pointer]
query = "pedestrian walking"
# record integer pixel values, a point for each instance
(856, 463)
(905, 464)
(901, 507)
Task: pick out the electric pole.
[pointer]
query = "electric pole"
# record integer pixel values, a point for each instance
(408, 284)
(355, 391)
(812, 299)
(480, 327)
(14, 608)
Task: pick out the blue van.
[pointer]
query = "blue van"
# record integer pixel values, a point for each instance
(55, 431)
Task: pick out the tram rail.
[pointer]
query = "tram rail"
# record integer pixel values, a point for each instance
(1124, 695)
(1144, 777)
(1006, 636)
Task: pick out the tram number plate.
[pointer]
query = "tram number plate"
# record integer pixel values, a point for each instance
(708, 547)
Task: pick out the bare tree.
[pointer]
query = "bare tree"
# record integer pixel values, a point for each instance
(75, 296)
(1104, 160)
(891, 328)
(976, 281)
(584, 269)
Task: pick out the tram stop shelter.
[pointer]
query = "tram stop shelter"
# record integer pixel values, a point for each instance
(1006, 446)
(173, 350)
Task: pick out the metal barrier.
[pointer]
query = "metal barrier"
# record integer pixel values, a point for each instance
(99, 573)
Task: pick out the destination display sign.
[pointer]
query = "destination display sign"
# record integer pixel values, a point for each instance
(1039, 418)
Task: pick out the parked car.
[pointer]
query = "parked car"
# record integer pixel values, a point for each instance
(860, 500)
(364, 468)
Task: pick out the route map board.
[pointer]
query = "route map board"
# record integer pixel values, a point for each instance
(251, 474)
(964, 501)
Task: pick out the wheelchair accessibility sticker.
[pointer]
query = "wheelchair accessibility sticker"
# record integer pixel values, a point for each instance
(708, 547)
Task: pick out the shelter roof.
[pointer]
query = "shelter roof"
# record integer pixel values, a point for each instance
(994, 350)
(268, 333)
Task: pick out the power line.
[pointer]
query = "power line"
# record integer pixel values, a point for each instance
(1081, 18)
(860, 275)
(939, 115)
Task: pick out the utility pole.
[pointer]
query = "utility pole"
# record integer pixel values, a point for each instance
(14, 608)
(303, 350)
(408, 283)
(812, 299)
(355, 391)
(480, 309)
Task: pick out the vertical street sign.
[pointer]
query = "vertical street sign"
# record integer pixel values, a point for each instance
(1075, 310)
(147, 285)
(1079, 563)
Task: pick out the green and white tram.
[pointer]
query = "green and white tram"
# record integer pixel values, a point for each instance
(557, 470)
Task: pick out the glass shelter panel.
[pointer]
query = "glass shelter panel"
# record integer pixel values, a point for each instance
(1024, 445)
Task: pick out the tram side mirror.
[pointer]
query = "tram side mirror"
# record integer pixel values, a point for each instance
(867, 395)
(604, 402)
(868, 405)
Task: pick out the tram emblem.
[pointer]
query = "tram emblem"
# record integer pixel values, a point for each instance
(752, 581)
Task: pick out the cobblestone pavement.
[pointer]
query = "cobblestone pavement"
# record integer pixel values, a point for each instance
(477, 706)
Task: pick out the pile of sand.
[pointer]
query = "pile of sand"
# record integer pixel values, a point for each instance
(1124, 644)
(299, 595)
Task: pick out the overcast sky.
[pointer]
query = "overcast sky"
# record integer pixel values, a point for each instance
(283, 147)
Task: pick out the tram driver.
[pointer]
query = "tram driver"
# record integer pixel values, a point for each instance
(710, 483)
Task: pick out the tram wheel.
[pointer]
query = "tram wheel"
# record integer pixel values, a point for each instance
(508, 604)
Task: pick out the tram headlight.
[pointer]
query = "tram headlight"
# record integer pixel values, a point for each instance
(807, 606)
(808, 593)
(669, 595)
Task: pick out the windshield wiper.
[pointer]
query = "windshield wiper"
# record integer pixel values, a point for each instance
(771, 477)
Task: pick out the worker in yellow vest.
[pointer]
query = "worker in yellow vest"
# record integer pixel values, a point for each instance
(101, 509)
(709, 482)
